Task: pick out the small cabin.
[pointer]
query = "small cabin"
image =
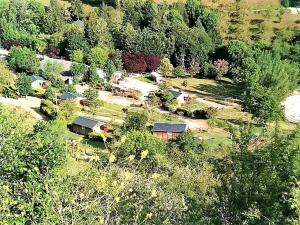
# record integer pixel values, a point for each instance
(156, 77)
(169, 131)
(73, 96)
(38, 82)
(180, 96)
(116, 76)
(86, 125)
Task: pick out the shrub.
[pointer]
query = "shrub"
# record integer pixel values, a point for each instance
(152, 61)
(69, 108)
(23, 84)
(50, 94)
(179, 71)
(134, 63)
(78, 71)
(48, 108)
(77, 56)
(23, 60)
(221, 67)
(91, 94)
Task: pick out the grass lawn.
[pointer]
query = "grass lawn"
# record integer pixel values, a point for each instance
(114, 111)
(218, 91)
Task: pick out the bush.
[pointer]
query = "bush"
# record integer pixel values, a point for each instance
(23, 60)
(69, 108)
(134, 63)
(152, 62)
(50, 94)
(48, 108)
(77, 56)
(23, 84)
(91, 94)
(78, 71)
(179, 71)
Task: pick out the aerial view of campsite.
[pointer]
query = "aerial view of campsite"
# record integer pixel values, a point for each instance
(149, 112)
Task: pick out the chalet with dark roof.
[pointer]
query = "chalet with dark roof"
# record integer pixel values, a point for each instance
(169, 131)
(38, 82)
(86, 125)
(180, 96)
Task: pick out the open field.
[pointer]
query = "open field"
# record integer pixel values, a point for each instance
(223, 92)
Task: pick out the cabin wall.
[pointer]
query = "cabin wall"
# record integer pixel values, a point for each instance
(166, 135)
(81, 130)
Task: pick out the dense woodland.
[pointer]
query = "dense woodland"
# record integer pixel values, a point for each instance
(144, 180)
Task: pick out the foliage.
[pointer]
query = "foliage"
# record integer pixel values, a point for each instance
(23, 84)
(28, 155)
(50, 94)
(69, 108)
(91, 94)
(134, 63)
(78, 71)
(135, 121)
(77, 56)
(95, 105)
(7, 77)
(244, 197)
(179, 71)
(221, 67)
(55, 18)
(51, 71)
(49, 109)
(23, 60)
(140, 144)
(166, 67)
(98, 56)
(109, 69)
(92, 75)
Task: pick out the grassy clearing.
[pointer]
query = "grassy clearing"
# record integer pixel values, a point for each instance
(217, 91)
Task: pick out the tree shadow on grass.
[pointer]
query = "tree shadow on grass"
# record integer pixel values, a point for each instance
(222, 91)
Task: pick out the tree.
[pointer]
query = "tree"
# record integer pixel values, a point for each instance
(96, 106)
(96, 31)
(135, 121)
(76, 9)
(138, 142)
(74, 40)
(23, 60)
(92, 75)
(134, 63)
(109, 69)
(55, 18)
(28, 154)
(91, 94)
(48, 108)
(23, 84)
(221, 67)
(179, 71)
(7, 77)
(69, 108)
(98, 56)
(166, 67)
(50, 94)
(52, 71)
(77, 56)
(256, 183)
(78, 71)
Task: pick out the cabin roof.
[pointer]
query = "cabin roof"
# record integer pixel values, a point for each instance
(70, 95)
(36, 78)
(87, 122)
(170, 127)
(176, 94)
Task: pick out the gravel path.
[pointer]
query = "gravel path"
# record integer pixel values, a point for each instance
(29, 104)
